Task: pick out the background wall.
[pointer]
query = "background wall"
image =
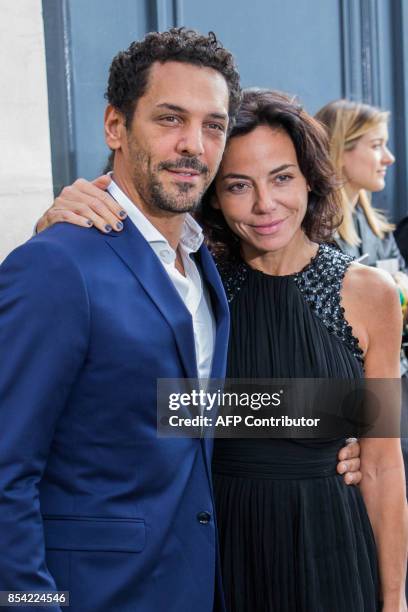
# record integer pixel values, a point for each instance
(25, 167)
(317, 49)
(277, 43)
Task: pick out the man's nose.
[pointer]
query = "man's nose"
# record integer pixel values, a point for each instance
(191, 142)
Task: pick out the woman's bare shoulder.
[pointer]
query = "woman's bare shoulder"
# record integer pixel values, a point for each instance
(373, 287)
(372, 306)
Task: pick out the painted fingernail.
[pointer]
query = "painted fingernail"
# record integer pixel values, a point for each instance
(89, 222)
(122, 214)
(108, 228)
(119, 225)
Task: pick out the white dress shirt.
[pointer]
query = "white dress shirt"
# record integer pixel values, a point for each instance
(190, 287)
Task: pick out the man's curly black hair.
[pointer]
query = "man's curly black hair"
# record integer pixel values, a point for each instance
(129, 71)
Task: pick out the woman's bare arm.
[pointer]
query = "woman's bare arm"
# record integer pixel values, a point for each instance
(373, 309)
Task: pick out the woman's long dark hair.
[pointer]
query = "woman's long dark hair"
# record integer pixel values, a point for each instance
(278, 110)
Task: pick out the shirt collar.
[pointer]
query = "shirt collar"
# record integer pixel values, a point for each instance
(191, 235)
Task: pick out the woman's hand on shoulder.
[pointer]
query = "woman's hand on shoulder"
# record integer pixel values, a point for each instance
(85, 204)
(372, 307)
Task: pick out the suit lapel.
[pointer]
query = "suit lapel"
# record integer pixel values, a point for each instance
(140, 258)
(221, 312)
(220, 308)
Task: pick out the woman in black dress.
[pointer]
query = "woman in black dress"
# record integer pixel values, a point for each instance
(293, 536)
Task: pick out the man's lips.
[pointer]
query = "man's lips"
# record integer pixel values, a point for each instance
(184, 174)
(268, 228)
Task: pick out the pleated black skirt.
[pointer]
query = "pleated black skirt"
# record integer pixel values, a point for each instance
(300, 543)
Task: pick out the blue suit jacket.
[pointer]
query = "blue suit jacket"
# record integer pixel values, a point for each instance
(91, 501)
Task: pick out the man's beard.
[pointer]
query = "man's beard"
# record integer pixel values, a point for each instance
(147, 183)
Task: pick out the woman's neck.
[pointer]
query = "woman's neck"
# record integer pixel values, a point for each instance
(289, 259)
(352, 193)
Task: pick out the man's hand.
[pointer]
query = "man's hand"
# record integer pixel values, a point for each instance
(86, 204)
(349, 462)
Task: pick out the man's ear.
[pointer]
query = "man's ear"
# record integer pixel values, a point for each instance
(115, 127)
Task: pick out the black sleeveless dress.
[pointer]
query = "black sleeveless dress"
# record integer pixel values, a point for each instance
(293, 536)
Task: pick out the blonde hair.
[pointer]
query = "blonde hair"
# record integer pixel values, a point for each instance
(346, 122)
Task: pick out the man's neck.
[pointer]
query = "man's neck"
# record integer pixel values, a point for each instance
(170, 225)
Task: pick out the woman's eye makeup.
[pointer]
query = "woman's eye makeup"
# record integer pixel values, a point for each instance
(378, 144)
(237, 187)
(283, 178)
(279, 179)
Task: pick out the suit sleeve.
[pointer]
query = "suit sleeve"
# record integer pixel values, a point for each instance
(44, 327)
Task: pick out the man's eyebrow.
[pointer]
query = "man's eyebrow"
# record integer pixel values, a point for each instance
(173, 107)
(180, 109)
(233, 175)
(221, 116)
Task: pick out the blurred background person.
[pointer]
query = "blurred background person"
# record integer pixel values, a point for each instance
(401, 237)
(358, 135)
(359, 150)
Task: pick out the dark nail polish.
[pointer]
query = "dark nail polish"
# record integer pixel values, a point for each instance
(119, 225)
(122, 214)
(108, 228)
(89, 222)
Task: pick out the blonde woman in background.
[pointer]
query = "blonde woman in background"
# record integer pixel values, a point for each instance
(358, 136)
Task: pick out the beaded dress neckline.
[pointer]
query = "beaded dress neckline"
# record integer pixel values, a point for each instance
(319, 283)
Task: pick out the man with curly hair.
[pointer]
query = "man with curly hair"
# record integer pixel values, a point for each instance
(92, 501)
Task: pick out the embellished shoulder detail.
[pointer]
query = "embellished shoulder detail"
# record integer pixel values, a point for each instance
(233, 276)
(320, 284)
